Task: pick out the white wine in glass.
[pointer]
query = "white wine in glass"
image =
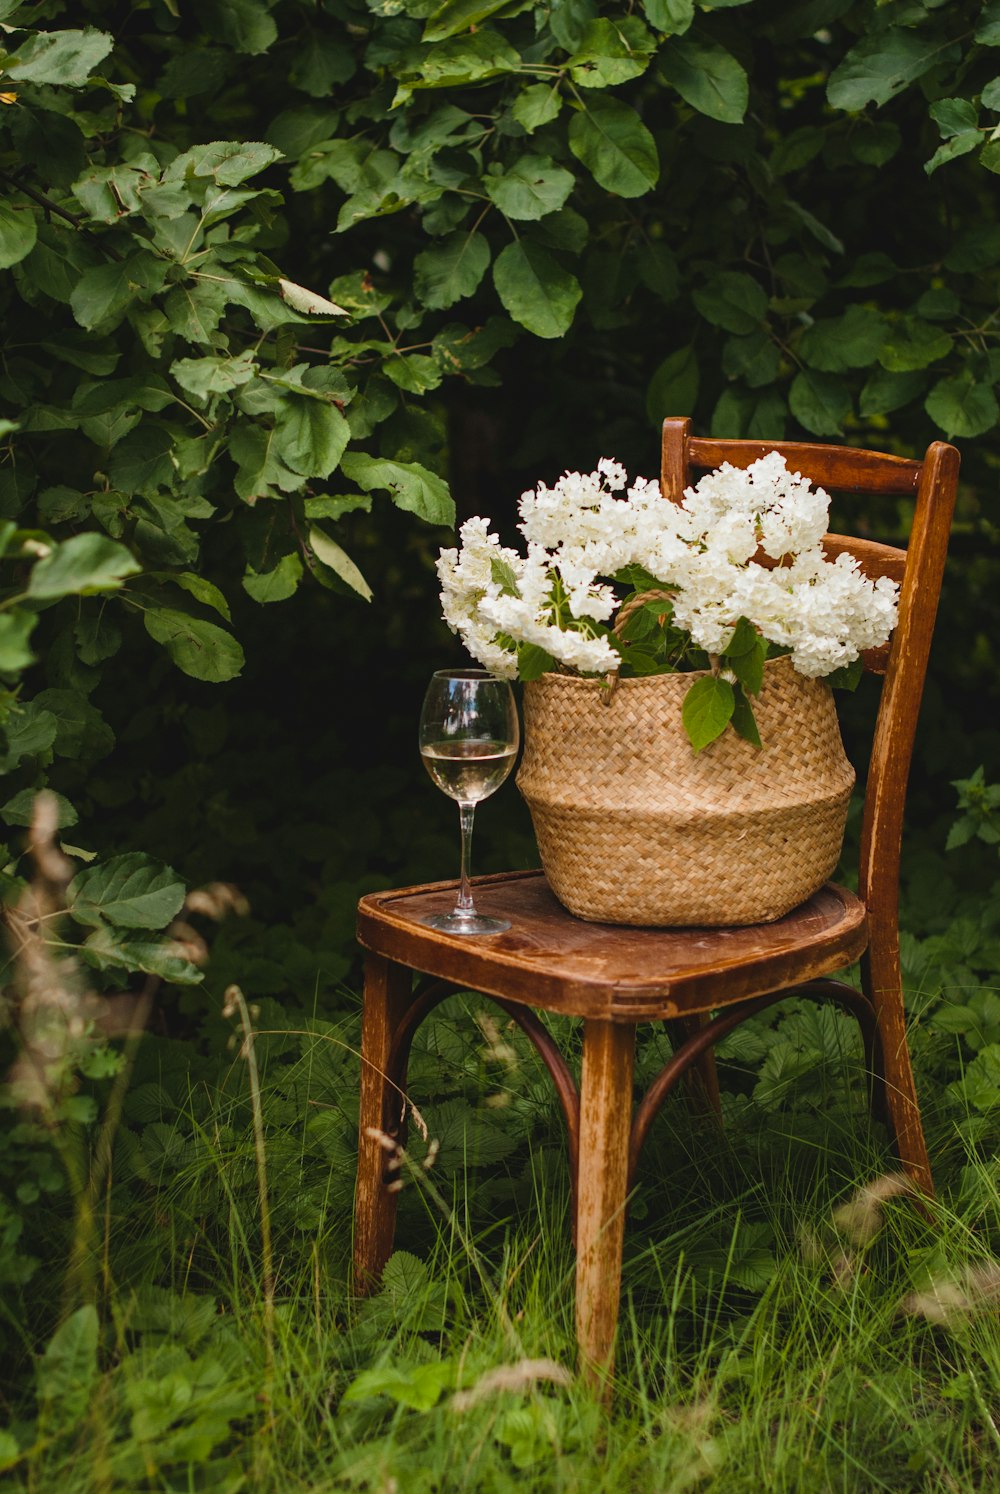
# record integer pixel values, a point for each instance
(468, 741)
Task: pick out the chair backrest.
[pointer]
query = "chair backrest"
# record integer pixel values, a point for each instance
(919, 569)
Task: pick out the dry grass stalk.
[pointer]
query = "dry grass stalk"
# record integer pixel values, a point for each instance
(949, 1301)
(234, 1004)
(496, 1047)
(48, 1002)
(861, 1218)
(521, 1376)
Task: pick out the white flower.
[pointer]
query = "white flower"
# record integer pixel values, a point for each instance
(588, 526)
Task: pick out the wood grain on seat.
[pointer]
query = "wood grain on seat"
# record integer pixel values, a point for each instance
(564, 964)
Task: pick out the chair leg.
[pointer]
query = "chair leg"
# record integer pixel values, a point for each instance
(702, 1077)
(387, 995)
(602, 1186)
(882, 985)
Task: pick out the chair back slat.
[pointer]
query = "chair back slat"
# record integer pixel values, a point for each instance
(875, 559)
(840, 467)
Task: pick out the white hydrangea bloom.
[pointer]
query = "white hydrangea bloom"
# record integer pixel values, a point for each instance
(588, 526)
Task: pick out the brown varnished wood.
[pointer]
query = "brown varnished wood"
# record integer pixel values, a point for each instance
(703, 1036)
(551, 960)
(605, 1128)
(387, 995)
(844, 467)
(882, 824)
(704, 1094)
(875, 559)
(430, 996)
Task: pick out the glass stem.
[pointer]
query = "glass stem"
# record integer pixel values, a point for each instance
(465, 906)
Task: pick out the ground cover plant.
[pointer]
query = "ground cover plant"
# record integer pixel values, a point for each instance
(286, 289)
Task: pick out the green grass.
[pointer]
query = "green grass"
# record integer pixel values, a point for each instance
(762, 1345)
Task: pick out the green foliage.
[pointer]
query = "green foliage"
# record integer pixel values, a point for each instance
(979, 803)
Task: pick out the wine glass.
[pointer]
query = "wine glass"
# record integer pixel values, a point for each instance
(468, 740)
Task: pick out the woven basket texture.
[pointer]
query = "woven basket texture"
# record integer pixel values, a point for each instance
(635, 827)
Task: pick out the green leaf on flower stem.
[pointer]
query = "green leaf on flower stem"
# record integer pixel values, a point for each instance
(820, 402)
(707, 710)
(745, 638)
(963, 407)
(82, 565)
(848, 676)
(732, 300)
(532, 187)
(744, 721)
(615, 146)
(132, 892)
(535, 289)
(66, 57)
(707, 77)
(882, 65)
(18, 233)
(450, 269)
(502, 574)
(275, 585)
(338, 561)
(745, 654)
(411, 486)
(533, 662)
(198, 648)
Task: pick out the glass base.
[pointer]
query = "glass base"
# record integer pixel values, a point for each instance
(466, 923)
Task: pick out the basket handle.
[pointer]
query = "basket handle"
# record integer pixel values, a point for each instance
(627, 610)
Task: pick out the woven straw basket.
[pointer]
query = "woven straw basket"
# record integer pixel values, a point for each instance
(635, 827)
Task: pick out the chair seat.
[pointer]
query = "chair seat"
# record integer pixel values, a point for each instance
(553, 960)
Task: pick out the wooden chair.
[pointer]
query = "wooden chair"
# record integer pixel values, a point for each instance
(702, 982)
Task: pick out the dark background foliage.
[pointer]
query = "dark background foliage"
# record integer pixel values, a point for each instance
(449, 249)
